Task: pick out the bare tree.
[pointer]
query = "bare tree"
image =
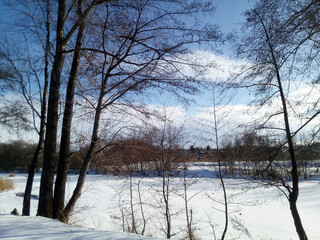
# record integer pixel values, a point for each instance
(45, 206)
(165, 172)
(216, 127)
(64, 154)
(167, 139)
(132, 53)
(131, 47)
(34, 163)
(274, 45)
(186, 183)
(13, 116)
(33, 20)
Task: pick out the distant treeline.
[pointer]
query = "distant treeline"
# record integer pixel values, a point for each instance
(138, 154)
(16, 155)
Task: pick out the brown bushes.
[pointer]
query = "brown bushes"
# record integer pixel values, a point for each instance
(6, 184)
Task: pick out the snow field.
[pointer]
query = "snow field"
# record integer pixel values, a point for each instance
(256, 211)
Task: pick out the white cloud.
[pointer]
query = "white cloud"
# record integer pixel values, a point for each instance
(216, 67)
(303, 99)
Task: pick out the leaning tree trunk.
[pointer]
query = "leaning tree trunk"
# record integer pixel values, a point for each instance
(64, 155)
(294, 190)
(34, 162)
(293, 195)
(296, 217)
(86, 164)
(49, 161)
(31, 172)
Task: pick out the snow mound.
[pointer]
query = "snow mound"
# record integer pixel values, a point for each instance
(22, 227)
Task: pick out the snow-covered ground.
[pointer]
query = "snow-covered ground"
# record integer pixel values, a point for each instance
(256, 211)
(17, 227)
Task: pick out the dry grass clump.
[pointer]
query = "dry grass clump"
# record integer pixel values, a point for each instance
(6, 184)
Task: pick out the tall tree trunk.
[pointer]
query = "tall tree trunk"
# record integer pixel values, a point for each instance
(64, 155)
(49, 161)
(85, 166)
(34, 163)
(293, 195)
(294, 190)
(45, 206)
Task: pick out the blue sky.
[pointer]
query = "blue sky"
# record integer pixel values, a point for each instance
(229, 13)
(228, 17)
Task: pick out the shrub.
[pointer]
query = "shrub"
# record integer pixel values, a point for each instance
(6, 184)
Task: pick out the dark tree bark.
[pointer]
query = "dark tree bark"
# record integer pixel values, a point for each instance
(49, 162)
(85, 167)
(269, 50)
(295, 214)
(45, 206)
(294, 190)
(34, 162)
(31, 173)
(131, 76)
(64, 155)
(94, 135)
